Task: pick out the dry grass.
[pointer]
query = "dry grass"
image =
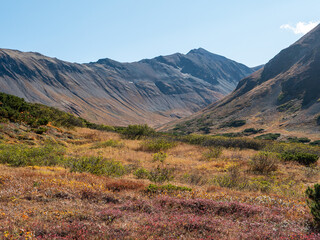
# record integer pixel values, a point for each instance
(42, 201)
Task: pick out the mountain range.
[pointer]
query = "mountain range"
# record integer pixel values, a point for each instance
(153, 91)
(284, 95)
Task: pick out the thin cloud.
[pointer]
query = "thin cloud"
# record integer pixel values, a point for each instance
(301, 27)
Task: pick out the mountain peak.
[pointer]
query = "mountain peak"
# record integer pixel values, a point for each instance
(199, 51)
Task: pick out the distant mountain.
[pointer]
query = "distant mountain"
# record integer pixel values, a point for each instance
(283, 95)
(153, 91)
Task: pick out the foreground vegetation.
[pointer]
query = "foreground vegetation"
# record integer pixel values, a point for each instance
(90, 184)
(67, 182)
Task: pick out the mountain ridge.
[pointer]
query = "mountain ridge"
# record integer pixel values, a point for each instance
(152, 91)
(283, 95)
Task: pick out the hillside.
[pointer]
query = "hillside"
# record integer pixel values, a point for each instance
(284, 96)
(153, 91)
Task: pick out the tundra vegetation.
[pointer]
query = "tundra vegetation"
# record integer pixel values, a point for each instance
(78, 180)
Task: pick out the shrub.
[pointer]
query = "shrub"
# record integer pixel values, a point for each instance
(20, 155)
(300, 157)
(318, 119)
(220, 141)
(314, 202)
(213, 152)
(269, 136)
(157, 145)
(161, 174)
(109, 143)
(299, 140)
(250, 131)
(96, 165)
(159, 157)
(40, 130)
(315, 143)
(137, 131)
(233, 123)
(264, 163)
(152, 188)
(142, 173)
(232, 179)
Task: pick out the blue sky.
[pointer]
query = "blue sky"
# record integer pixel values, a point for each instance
(247, 31)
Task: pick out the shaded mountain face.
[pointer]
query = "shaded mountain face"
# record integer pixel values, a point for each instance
(284, 94)
(152, 91)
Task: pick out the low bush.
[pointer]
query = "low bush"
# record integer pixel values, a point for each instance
(269, 136)
(40, 130)
(318, 119)
(301, 153)
(142, 173)
(137, 131)
(315, 143)
(152, 188)
(300, 157)
(220, 141)
(20, 155)
(159, 157)
(96, 165)
(161, 174)
(264, 163)
(233, 123)
(251, 131)
(299, 140)
(314, 202)
(157, 145)
(212, 153)
(109, 143)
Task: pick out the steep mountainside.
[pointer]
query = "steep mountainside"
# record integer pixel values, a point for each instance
(285, 94)
(153, 91)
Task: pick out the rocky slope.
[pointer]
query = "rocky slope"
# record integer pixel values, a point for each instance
(153, 91)
(284, 95)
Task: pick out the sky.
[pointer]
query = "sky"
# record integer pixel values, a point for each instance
(247, 31)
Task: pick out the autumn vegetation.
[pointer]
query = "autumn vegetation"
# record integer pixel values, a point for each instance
(100, 182)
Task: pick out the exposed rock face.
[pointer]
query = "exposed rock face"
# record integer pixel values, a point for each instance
(284, 94)
(153, 91)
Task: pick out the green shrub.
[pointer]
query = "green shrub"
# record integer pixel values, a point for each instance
(152, 188)
(300, 157)
(157, 145)
(161, 174)
(15, 109)
(269, 136)
(97, 166)
(220, 141)
(251, 131)
(20, 155)
(159, 157)
(314, 202)
(40, 130)
(299, 140)
(142, 173)
(137, 131)
(232, 179)
(318, 119)
(233, 123)
(315, 143)
(213, 152)
(109, 143)
(264, 163)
